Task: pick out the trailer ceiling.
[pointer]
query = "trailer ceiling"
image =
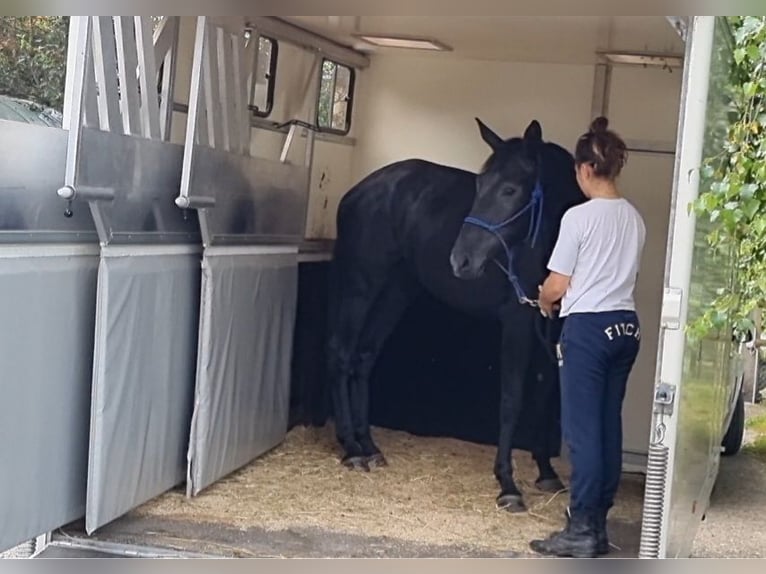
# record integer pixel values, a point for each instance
(557, 39)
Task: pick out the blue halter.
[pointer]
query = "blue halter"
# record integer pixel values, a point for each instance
(535, 205)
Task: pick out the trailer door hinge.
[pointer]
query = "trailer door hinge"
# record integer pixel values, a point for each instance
(671, 308)
(664, 398)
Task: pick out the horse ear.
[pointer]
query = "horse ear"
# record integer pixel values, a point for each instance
(533, 138)
(534, 132)
(491, 138)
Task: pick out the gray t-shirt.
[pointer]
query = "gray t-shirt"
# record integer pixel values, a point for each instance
(599, 246)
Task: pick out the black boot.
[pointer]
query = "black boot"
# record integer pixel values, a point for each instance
(602, 539)
(577, 540)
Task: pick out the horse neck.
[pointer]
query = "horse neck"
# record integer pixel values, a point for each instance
(560, 191)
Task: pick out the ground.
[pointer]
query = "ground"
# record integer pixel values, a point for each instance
(436, 499)
(733, 527)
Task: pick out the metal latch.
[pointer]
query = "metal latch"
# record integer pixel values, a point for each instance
(664, 398)
(671, 308)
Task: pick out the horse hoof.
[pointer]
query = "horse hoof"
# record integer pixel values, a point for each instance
(551, 485)
(377, 461)
(512, 503)
(356, 463)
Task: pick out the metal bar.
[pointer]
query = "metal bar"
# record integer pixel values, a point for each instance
(288, 143)
(314, 89)
(252, 79)
(602, 80)
(649, 146)
(194, 117)
(196, 202)
(168, 53)
(78, 60)
(71, 80)
(246, 71)
(70, 193)
(281, 30)
(263, 124)
(224, 85)
(202, 137)
(91, 90)
(118, 549)
(211, 87)
(310, 137)
(240, 95)
(147, 72)
(128, 65)
(105, 61)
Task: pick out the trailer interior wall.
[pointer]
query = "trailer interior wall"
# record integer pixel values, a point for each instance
(424, 106)
(297, 70)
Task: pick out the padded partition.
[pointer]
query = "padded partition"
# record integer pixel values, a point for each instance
(242, 396)
(47, 305)
(143, 376)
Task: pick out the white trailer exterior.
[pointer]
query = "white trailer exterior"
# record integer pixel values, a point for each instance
(237, 201)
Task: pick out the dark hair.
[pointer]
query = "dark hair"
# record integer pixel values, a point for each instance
(603, 149)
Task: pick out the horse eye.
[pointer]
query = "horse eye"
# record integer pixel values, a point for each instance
(508, 190)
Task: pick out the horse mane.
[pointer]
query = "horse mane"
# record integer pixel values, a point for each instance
(558, 172)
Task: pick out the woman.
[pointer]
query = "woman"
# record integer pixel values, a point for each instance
(593, 270)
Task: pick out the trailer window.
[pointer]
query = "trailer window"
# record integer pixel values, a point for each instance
(33, 57)
(335, 94)
(262, 88)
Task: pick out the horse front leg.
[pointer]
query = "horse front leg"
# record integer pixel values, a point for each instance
(514, 361)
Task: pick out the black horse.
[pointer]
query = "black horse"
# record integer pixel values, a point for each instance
(405, 228)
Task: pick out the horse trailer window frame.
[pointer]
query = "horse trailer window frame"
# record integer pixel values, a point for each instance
(349, 101)
(271, 77)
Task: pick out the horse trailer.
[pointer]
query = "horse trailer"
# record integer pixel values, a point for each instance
(163, 281)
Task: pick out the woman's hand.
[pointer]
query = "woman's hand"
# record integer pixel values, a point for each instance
(551, 292)
(547, 308)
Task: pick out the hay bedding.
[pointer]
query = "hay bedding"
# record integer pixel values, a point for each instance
(435, 491)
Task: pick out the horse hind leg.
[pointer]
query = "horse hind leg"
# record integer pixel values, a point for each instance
(349, 308)
(384, 316)
(548, 480)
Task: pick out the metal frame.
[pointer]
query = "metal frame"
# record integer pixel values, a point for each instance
(602, 81)
(219, 122)
(94, 70)
(679, 248)
(61, 540)
(281, 30)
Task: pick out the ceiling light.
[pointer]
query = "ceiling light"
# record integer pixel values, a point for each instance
(639, 59)
(406, 43)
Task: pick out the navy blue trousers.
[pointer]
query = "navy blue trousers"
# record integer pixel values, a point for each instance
(597, 353)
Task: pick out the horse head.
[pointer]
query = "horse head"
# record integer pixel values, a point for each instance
(507, 207)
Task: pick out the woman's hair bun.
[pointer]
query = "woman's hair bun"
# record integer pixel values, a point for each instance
(599, 125)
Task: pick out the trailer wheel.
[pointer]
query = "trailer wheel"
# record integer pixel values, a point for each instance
(732, 441)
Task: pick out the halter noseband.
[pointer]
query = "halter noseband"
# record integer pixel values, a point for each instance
(535, 205)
